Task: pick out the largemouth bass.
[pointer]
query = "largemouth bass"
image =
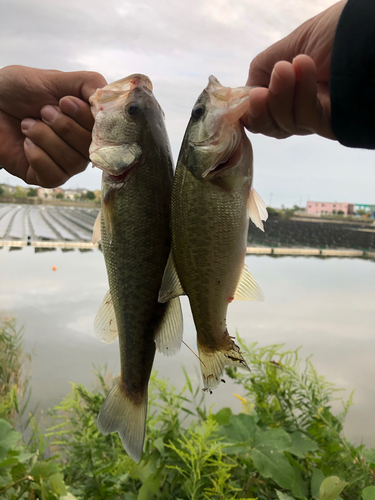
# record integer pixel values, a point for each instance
(130, 144)
(212, 200)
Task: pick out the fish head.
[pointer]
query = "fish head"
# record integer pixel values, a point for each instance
(123, 111)
(218, 149)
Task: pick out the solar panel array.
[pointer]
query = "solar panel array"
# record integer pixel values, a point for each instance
(46, 223)
(319, 234)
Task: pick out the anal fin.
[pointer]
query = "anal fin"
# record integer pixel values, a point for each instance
(170, 286)
(168, 337)
(247, 288)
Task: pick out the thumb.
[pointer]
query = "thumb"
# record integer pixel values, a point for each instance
(262, 65)
(81, 84)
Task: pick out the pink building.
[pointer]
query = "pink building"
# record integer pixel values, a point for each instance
(324, 208)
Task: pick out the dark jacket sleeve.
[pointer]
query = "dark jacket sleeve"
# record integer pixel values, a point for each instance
(352, 82)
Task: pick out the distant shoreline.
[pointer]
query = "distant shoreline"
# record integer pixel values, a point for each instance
(54, 202)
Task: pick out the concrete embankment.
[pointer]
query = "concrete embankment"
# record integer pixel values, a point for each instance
(313, 237)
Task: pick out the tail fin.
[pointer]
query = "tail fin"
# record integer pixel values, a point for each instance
(213, 364)
(120, 414)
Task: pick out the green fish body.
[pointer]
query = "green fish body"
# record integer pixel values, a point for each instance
(212, 200)
(130, 144)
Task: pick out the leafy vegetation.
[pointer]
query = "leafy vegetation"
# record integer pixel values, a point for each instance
(20, 192)
(90, 195)
(285, 444)
(32, 192)
(283, 212)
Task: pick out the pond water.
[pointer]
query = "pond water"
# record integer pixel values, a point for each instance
(325, 305)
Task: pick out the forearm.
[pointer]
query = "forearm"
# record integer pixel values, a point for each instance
(352, 82)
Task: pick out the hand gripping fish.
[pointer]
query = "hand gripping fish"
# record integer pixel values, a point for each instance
(130, 144)
(212, 200)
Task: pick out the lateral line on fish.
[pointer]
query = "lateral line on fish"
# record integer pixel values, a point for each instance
(196, 355)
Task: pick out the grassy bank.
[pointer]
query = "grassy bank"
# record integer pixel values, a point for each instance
(285, 444)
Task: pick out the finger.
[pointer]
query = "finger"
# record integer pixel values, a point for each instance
(12, 156)
(55, 149)
(281, 97)
(42, 169)
(310, 115)
(71, 132)
(259, 119)
(77, 109)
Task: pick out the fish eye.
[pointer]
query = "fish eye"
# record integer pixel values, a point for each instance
(198, 111)
(133, 108)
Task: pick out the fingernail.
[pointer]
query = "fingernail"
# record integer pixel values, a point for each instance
(29, 142)
(276, 84)
(27, 123)
(48, 113)
(68, 106)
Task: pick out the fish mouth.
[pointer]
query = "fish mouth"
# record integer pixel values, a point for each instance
(226, 164)
(228, 158)
(122, 176)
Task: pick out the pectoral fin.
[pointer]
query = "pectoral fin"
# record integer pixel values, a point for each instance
(97, 232)
(168, 337)
(105, 325)
(257, 209)
(247, 288)
(170, 285)
(107, 211)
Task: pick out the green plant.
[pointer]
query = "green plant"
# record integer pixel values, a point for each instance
(20, 192)
(32, 192)
(14, 394)
(90, 195)
(24, 472)
(286, 444)
(288, 411)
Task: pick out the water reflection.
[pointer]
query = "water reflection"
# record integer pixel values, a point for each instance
(325, 305)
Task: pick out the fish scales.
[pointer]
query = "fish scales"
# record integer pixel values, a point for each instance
(135, 260)
(131, 146)
(212, 200)
(209, 231)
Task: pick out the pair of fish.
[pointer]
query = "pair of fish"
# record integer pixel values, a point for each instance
(161, 242)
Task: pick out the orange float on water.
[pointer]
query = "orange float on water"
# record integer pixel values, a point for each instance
(53, 268)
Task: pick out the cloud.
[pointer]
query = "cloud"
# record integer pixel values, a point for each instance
(178, 45)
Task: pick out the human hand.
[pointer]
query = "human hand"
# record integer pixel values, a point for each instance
(294, 74)
(50, 108)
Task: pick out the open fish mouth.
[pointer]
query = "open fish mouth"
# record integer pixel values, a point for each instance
(120, 177)
(228, 158)
(123, 175)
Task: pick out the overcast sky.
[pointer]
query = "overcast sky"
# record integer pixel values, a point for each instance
(178, 44)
